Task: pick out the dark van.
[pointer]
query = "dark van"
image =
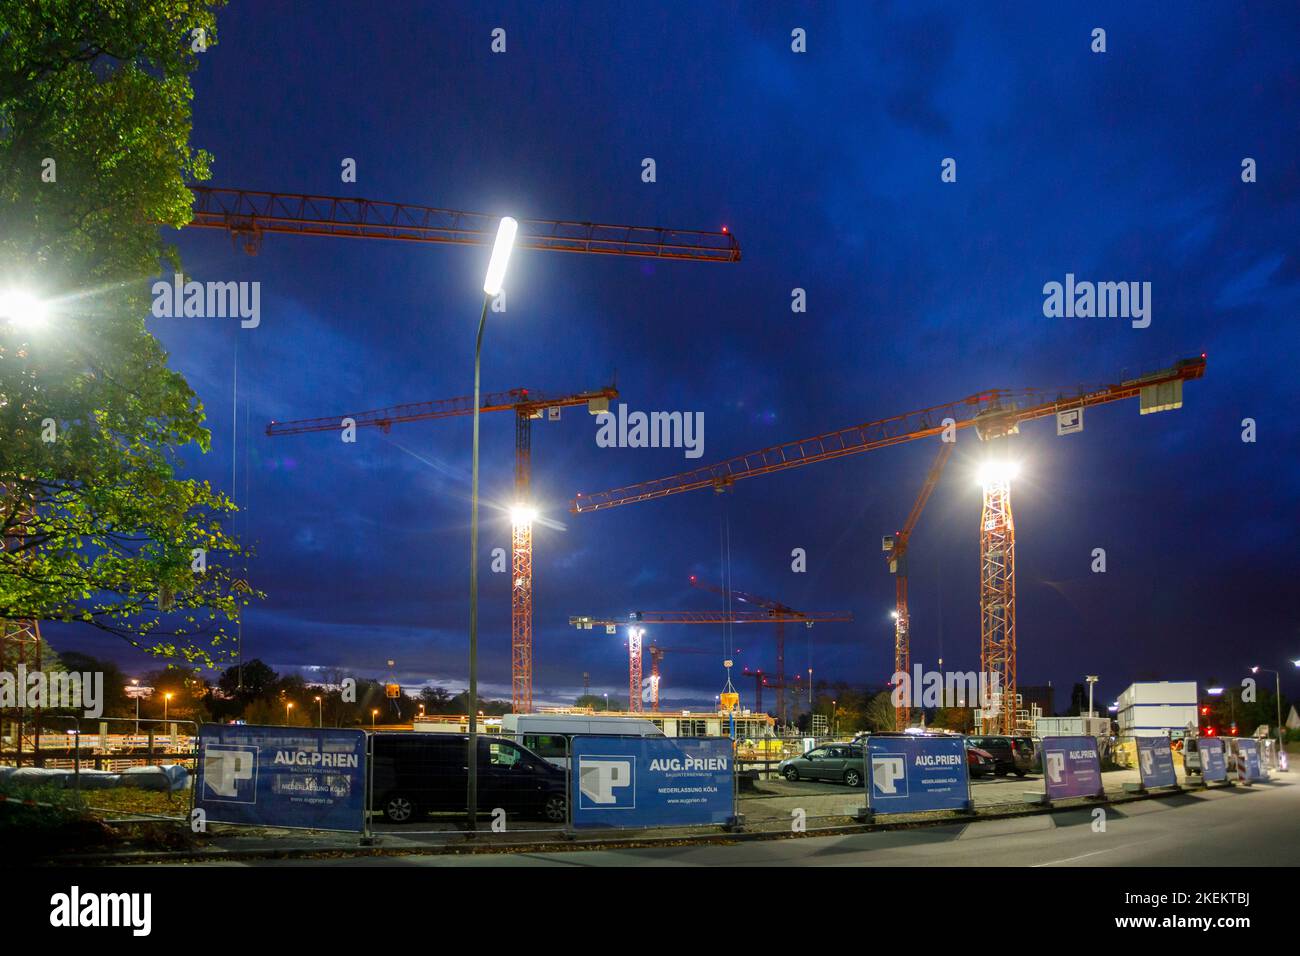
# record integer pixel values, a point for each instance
(416, 774)
(1010, 754)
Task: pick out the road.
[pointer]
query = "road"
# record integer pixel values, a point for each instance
(1240, 826)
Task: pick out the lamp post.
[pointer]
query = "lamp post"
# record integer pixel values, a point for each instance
(166, 697)
(288, 706)
(374, 712)
(496, 274)
(1277, 694)
(135, 682)
(320, 713)
(1091, 679)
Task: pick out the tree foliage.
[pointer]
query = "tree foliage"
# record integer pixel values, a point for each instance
(95, 155)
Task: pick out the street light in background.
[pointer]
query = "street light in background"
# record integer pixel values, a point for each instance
(1277, 692)
(288, 706)
(492, 282)
(1091, 679)
(320, 713)
(166, 697)
(375, 713)
(135, 683)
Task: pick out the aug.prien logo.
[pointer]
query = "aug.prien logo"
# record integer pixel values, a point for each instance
(653, 430)
(1104, 300)
(600, 777)
(208, 300)
(66, 690)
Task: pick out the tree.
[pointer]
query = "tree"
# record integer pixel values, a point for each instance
(258, 681)
(95, 124)
(599, 702)
(879, 713)
(116, 703)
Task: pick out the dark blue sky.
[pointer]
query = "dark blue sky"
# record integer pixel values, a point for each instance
(826, 166)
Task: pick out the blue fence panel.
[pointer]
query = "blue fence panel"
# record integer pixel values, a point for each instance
(1214, 768)
(301, 777)
(914, 773)
(652, 781)
(1250, 767)
(1156, 762)
(1071, 767)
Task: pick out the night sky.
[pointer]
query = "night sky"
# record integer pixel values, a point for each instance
(1122, 166)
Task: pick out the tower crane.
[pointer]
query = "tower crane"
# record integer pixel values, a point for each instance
(249, 214)
(993, 414)
(781, 613)
(895, 548)
(761, 681)
(526, 406)
(636, 632)
(656, 658)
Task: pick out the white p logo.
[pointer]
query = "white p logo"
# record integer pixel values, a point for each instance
(222, 769)
(598, 778)
(886, 772)
(1055, 766)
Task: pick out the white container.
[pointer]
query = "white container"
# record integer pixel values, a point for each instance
(1159, 692)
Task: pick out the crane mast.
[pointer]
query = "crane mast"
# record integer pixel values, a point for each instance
(895, 547)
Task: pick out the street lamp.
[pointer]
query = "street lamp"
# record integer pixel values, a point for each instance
(288, 706)
(1281, 745)
(135, 682)
(496, 274)
(166, 697)
(1091, 679)
(374, 712)
(320, 713)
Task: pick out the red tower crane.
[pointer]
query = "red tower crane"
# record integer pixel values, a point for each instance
(656, 659)
(249, 214)
(895, 547)
(993, 414)
(636, 631)
(781, 613)
(527, 406)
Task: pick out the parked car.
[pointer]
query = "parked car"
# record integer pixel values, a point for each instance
(979, 761)
(1010, 754)
(415, 774)
(842, 763)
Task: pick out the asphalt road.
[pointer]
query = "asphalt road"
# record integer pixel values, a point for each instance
(1240, 826)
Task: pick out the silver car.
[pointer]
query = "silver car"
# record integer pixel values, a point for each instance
(841, 763)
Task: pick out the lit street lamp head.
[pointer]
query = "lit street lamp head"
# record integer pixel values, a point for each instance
(496, 273)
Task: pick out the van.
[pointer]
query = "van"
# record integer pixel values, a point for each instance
(550, 736)
(417, 774)
(1011, 754)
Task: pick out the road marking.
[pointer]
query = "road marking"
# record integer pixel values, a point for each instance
(1084, 856)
